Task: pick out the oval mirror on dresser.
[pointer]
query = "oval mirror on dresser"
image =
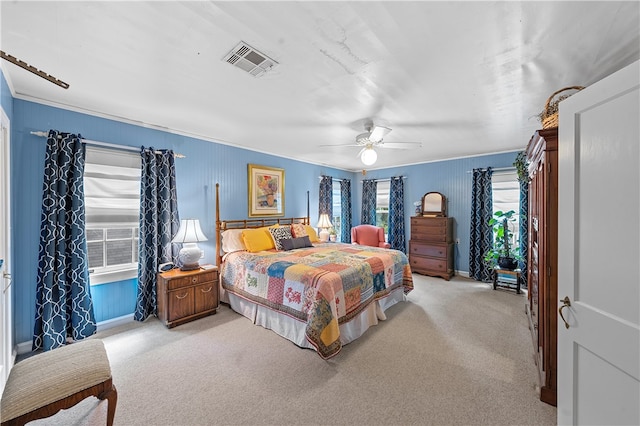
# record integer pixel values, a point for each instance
(434, 204)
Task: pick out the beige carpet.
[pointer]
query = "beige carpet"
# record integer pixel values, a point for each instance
(457, 353)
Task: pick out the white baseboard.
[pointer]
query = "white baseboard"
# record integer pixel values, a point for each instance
(463, 273)
(114, 322)
(25, 347)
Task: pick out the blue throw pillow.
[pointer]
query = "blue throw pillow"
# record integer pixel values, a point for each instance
(294, 243)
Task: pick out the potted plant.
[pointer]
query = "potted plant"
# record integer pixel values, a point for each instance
(333, 235)
(502, 253)
(522, 167)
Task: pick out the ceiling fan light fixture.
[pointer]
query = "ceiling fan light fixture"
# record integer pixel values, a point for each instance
(369, 156)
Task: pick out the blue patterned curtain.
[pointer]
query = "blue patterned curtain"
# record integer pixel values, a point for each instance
(396, 214)
(481, 234)
(345, 205)
(159, 222)
(524, 229)
(63, 300)
(369, 194)
(325, 204)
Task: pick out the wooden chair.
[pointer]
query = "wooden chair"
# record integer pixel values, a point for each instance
(58, 379)
(369, 235)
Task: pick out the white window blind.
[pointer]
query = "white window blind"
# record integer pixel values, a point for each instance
(112, 187)
(112, 209)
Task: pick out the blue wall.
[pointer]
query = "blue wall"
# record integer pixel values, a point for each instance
(453, 179)
(205, 164)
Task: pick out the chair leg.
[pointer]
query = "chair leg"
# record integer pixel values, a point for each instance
(111, 395)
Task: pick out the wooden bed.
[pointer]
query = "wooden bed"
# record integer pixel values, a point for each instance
(319, 296)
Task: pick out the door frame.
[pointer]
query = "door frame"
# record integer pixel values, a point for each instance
(7, 352)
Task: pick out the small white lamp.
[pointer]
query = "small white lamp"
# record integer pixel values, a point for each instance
(324, 224)
(368, 156)
(188, 235)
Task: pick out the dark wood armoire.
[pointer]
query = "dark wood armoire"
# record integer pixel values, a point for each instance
(542, 297)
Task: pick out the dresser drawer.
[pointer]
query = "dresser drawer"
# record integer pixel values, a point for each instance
(436, 235)
(428, 264)
(430, 221)
(431, 250)
(192, 280)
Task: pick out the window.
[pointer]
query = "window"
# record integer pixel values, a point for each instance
(506, 196)
(112, 208)
(337, 208)
(382, 205)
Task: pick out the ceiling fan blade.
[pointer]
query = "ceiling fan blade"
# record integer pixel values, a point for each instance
(378, 132)
(339, 146)
(400, 145)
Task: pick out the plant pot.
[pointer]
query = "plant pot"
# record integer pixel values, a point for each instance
(507, 263)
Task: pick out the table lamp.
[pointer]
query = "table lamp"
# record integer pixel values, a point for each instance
(324, 224)
(189, 235)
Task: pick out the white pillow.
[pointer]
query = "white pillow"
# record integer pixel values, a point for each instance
(232, 240)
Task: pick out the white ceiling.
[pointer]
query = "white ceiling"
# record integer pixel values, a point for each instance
(462, 78)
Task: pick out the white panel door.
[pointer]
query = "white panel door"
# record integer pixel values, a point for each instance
(599, 253)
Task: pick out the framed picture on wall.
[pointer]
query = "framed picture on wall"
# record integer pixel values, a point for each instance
(266, 191)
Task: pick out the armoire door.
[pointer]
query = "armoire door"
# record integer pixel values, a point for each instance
(599, 234)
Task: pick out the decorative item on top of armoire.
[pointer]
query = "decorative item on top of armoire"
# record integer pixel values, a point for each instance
(522, 167)
(549, 115)
(542, 298)
(431, 244)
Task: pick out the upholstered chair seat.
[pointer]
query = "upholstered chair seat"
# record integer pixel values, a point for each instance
(369, 235)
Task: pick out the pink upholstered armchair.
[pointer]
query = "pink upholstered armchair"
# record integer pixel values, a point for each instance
(369, 235)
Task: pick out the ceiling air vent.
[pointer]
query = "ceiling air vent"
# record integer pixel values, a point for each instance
(250, 60)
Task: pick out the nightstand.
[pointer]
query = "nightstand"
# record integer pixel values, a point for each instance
(185, 296)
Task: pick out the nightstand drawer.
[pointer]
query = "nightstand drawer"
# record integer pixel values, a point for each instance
(192, 280)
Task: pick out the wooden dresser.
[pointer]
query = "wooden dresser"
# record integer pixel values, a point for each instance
(431, 246)
(184, 296)
(542, 298)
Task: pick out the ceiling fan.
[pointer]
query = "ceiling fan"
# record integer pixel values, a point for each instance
(373, 138)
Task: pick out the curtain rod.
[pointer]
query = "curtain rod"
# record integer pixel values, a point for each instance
(106, 145)
(385, 179)
(333, 179)
(498, 169)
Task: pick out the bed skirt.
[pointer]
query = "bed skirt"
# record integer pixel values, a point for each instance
(294, 330)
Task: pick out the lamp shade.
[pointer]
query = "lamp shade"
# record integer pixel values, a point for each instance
(189, 234)
(369, 156)
(324, 221)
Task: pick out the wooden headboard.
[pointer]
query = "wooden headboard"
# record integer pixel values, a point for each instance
(223, 225)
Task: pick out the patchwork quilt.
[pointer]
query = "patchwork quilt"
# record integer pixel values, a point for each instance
(323, 286)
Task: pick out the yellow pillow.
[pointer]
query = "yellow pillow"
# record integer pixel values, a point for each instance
(258, 239)
(313, 237)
